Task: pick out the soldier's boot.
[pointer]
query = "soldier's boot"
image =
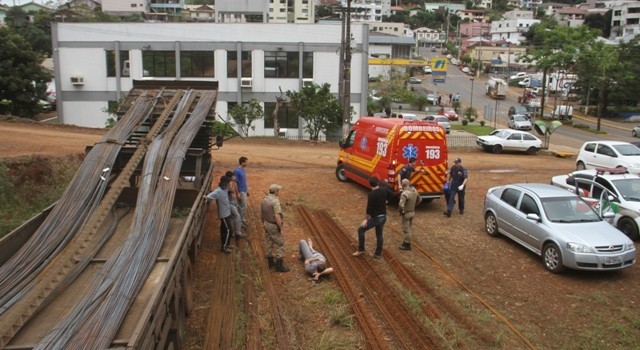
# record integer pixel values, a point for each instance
(280, 266)
(271, 262)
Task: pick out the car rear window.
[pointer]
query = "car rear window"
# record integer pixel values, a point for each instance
(511, 196)
(590, 147)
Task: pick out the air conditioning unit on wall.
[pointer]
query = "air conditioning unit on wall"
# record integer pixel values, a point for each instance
(77, 80)
(307, 82)
(246, 82)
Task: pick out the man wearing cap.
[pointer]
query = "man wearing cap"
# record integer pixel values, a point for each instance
(376, 217)
(409, 199)
(406, 171)
(272, 221)
(221, 197)
(458, 183)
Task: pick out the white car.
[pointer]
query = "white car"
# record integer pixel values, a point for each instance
(408, 116)
(432, 98)
(454, 61)
(519, 75)
(609, 154)
(612, 190)
(427, 70)
(519, 122)
(509, 140)
(414, 80)
(466, 70)
(635, 132)
(442, 120)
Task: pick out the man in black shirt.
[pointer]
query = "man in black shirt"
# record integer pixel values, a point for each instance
(376, 217)
(406, 171)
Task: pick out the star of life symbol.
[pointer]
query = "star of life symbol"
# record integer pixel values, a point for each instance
(363, 143)
(409, 151)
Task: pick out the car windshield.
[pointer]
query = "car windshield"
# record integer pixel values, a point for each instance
(503, 134)
(449, 110)
(568, 210)
(520, 118)
(520, 110)
(627, 150)
(629, 189)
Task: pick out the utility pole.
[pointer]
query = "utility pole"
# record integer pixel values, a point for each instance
(345, 53)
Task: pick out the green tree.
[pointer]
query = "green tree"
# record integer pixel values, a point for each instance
(318, 107)
(245, 114)
(19, 69)
(38, 34)
(627, 75)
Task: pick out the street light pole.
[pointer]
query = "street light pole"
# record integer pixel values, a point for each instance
(471, 103)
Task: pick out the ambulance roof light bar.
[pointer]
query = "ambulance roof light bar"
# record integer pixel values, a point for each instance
(612, 171)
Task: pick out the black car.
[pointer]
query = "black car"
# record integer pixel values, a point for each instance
(513, 110)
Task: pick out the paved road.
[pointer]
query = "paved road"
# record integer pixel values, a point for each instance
(564, 139)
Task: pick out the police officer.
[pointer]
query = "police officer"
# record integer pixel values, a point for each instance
(409, 199)
(458, 181)
(272, 219)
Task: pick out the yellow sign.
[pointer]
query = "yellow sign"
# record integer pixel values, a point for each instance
(397, 62)
(439, 64)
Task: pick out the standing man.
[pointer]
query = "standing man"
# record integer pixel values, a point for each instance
(233, 199)
(243, 190)
(406, 171)
(458, 181)
(272, 221)
(221, 197)
(376, 216)
(409, 199)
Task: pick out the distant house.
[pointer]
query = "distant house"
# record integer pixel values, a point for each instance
(3, 14)
(199, 13)
(511, 30)
(570, 16)
(477, 16)
(31, 8)
(427, 37)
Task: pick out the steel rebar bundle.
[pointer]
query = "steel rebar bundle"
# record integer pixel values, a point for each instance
(93, 323)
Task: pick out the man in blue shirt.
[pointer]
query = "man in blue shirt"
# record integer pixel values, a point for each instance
(221, 196)
(458, 181)
(243, 189)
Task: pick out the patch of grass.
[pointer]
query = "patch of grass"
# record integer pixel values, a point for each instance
(341, 316)
(475, 129)
(330, 340)
(29, 185)
(587, 128)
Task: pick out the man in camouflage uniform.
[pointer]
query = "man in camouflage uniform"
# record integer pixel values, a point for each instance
(272, 219)
(409, 199)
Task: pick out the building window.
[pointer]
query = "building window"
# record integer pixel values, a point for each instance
(280, 64)
(111, 63)
(159, 63)
(232, 64)
(287, 116)
(197, 64)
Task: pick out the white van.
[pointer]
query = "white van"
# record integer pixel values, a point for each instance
(563, 112)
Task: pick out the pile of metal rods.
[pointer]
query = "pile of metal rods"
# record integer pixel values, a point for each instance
(94, 321)
(76, 204)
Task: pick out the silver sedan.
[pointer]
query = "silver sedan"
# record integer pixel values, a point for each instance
(557, 225)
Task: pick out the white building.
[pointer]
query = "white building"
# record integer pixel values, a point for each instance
(391, 28)
(625, 19)
(518, 14)
(96, 63)
(511, 30)
(125, 7)
(368, 10)
(427, 37)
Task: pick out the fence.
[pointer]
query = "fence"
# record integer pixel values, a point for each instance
(455, 139)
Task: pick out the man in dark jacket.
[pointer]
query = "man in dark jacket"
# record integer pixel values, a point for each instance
(376, 216)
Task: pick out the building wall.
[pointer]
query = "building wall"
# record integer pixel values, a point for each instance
(124, 6)
(80, 50)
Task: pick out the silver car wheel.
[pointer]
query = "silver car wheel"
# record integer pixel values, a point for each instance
(552, 258)
(491, 224)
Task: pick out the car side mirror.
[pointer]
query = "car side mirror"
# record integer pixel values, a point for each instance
(608, 215)
(219, 140)
(533, 216)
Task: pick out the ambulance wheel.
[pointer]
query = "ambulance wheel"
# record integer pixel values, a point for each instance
(340, 174)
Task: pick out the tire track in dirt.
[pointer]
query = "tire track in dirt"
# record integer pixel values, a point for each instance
(369, 293)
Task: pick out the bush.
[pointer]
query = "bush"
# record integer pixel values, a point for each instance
(465, 122)
(482, 123)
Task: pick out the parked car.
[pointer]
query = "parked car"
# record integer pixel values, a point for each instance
(519, 122)
(442, 120)
(414, 80)
(509, 140)
(466, 70)
(609, 154)
(519, 109)
(454, 61)
(635, 131)
(432, 98)
(450, 113)
(427, 70)
(614, 190)
(409, 116)
(519, 75)
(558, 226)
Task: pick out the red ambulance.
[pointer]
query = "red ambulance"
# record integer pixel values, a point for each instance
(380, 147)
